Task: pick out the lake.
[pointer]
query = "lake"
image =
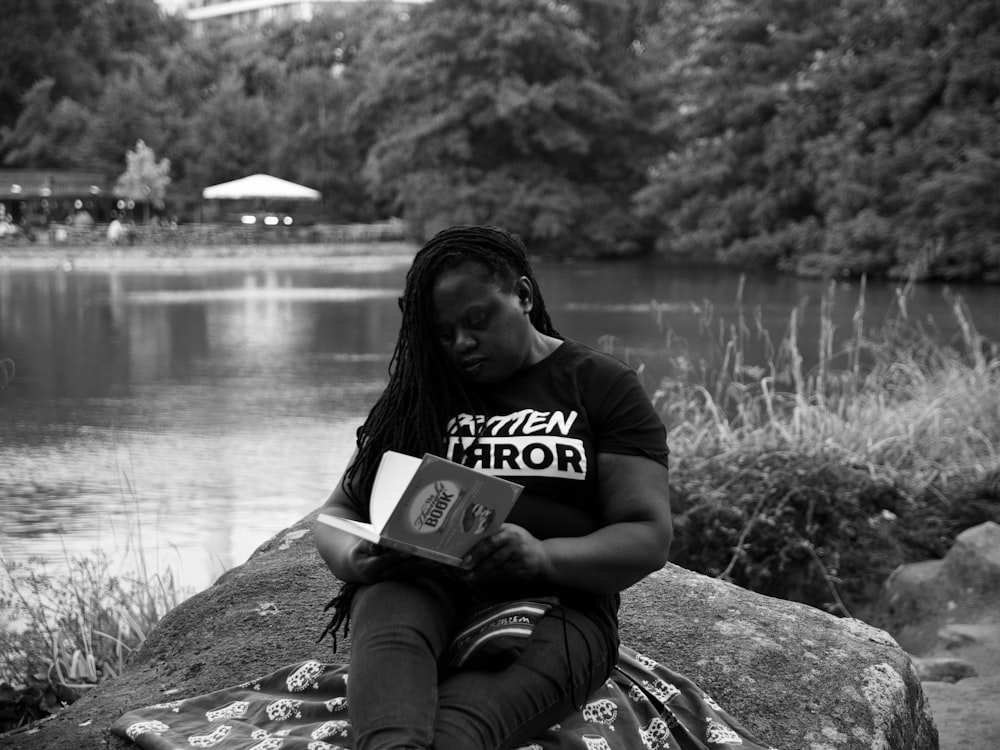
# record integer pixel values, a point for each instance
(194, 412)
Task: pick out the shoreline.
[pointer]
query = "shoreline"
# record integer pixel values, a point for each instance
(200, 257)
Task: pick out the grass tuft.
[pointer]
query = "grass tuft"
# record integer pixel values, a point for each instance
(904, 401)
(67, 632)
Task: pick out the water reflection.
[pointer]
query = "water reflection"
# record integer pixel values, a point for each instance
(193, 415)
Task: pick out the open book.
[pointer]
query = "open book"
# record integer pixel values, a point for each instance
(431, 507)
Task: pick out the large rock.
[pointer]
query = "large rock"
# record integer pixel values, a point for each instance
(795, 676)
(800, 678)
(919, 599)
(971, 569)
(947, 612)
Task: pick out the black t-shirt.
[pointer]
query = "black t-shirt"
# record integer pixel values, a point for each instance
(543, 428)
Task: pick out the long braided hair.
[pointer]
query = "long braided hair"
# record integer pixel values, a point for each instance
(424, 390)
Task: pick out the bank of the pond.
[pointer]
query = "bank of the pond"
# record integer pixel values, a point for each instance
(196, 257)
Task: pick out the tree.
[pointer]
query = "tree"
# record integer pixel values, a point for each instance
(190, 76)
(317, 146)
(144, 180)
(131, 107)
(47, 133)
(231, 135)
(501, 112)
(77, 44)
(332, 39)
(41, 39)
(724, 72)
(912, 158)
(828, 138)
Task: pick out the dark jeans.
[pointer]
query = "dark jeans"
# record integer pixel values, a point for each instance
(398, 699)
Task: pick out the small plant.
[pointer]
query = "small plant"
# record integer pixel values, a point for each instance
(66, 633)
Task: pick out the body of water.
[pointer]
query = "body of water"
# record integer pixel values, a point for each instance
(193, 414)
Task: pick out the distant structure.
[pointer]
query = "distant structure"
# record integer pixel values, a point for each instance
(209, 15)
(34, 198)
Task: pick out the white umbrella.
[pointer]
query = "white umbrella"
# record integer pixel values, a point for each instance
(260, 186)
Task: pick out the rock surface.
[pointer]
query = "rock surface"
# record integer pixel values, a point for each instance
(919, 599)
(947, 612)
(795, 676)
(965, 710)
(943, 669)
(971, 569)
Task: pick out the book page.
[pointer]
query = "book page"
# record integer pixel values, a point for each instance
(394, 473)
(358, 528)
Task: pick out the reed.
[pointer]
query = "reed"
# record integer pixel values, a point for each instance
(70, 630)
(898, 398)
(68, 625)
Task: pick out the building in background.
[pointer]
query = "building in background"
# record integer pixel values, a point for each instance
(35, 198)
(208, 15)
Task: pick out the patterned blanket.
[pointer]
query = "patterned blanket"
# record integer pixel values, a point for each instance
(644, 706)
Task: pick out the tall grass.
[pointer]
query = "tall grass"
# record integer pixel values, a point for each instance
(68, 631)
(900, 398)
(813, 484)
(79, 625)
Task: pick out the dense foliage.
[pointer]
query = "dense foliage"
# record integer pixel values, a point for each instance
(856, 136)
(822, 138)
(509, 112)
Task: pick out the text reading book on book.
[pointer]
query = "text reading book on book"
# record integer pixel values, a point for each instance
(431, 507)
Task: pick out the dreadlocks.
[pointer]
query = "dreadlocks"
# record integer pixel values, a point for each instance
(423, 389)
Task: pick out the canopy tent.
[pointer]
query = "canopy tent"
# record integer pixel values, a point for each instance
(261, 186)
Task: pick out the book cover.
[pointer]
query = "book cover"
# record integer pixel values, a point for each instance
(432, 507)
